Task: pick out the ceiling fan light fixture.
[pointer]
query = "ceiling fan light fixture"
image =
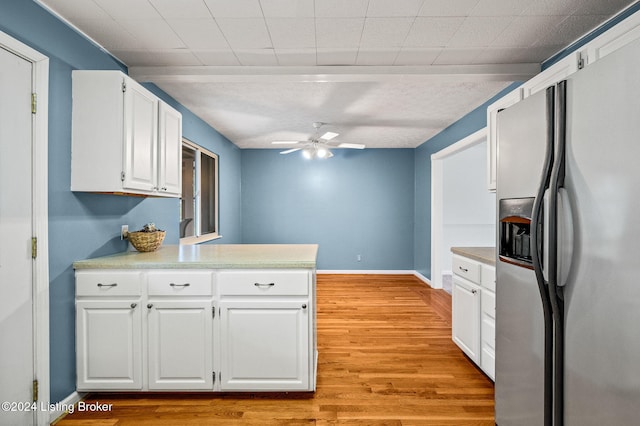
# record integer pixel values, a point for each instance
(307, 153)
(322, 152)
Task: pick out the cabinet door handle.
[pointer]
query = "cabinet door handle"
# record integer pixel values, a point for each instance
(463, 269)
(474, 291)
(264, 284)
(304, 306)
(107, 285)
(133, 305)
(150, 305)
(180, 285)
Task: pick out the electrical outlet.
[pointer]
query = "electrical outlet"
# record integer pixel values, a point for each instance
(124, 231)
(359, 258)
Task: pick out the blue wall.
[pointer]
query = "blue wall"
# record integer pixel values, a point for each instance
(358, 202)
(85, 225)
(470, 123)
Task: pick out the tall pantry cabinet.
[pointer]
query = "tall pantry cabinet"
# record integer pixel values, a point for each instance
(125, 140)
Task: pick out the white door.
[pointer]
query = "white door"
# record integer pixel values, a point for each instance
(265, 345)
(16, 264)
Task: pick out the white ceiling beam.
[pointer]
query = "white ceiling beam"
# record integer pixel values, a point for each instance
(339, 74)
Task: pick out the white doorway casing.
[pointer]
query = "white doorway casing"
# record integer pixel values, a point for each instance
(437, 200)
(40, 267)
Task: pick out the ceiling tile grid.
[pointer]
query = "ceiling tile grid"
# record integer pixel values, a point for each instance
(276, 36)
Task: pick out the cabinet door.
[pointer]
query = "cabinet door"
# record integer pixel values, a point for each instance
(141, 138)
(108, 344)
(466, 317)
(492, 133)
(180, 344)
(169, 150)
(265, 345)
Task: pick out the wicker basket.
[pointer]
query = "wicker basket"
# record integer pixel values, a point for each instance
(146, 241)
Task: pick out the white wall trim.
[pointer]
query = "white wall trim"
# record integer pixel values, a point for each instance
(375, 272)
(437, 197)
(57, 410)
(40, 126)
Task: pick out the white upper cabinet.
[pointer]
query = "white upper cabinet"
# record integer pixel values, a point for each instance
(125, 140)
(492, 133)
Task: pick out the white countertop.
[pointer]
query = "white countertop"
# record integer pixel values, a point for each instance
(211, 256)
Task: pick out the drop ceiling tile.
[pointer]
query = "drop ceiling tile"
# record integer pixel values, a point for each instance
(337, 56)
(386, 8)
(151, 58)
(524, 31)
(339, 32)
(500, 7)
(571, 29)
(552, 7)
(341, 8)
(257, 57)
(514, 55)
(385, 32)
(216, 57)
(288, 33)
(288, 8)
(152, 33)
(454, 56)
(183, 9)
(249, 33)
(479, 31)
(76, 9)
(199, 33)
(432, 32)
(107, 32)
(234, 8)
(417, 56)
(379, 56)
(447, 7)
(129, 9)
(296, 57)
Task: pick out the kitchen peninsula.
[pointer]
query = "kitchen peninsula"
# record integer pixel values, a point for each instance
(195, 318)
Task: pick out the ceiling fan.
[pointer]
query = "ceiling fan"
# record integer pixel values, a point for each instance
(317, 146)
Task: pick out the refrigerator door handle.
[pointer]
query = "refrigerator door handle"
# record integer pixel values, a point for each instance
(565, 237)
(539, 248)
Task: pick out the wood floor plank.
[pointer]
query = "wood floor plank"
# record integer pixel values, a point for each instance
(385, 358)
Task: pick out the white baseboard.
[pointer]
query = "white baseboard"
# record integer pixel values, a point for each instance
(367, 271)
(59, 409)
(377, 272)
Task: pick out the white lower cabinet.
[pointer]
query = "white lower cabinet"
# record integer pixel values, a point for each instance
(109, 344)
(474, 311)
(195, 330)
(180, 345)
(465, 307)
(265, 345)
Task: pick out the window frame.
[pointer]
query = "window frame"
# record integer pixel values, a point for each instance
(201, 238)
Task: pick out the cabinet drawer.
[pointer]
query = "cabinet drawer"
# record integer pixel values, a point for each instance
(466, 268)
(275, 283)
(488, 332)
(489, 304)
(488, 278)
(91, 283)
(180, 283)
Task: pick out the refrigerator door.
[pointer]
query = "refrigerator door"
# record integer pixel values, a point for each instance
(519, 388)
(602, 294)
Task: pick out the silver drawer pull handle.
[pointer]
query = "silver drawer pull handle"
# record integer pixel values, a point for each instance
(463, 269)
(179, 285)
(264, 284)
(133, 305)
(107, 285)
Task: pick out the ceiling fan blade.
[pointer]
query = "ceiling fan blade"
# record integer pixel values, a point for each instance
(284, 142)
(329, 135)
(289, 151)
(351, 145)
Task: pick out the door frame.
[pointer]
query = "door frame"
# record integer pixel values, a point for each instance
(40, 224)
(437, 199)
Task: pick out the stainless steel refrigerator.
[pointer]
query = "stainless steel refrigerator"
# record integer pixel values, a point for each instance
(568, 270)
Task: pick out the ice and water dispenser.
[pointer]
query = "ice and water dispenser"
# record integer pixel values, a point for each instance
(515, 231)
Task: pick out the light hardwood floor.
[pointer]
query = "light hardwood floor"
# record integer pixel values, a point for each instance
(385, 358)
